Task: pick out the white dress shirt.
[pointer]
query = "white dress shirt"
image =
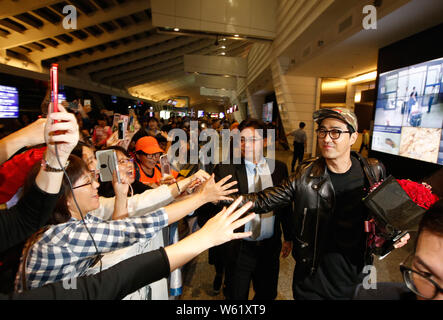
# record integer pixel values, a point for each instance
(267, 219)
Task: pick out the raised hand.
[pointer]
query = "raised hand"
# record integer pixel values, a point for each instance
(220, 228)
(120, 189)
(212, 192)
(202, 175)
(61, 130)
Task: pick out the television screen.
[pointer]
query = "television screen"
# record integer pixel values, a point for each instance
(200, 113)
(113, 99)
(409, 112)
(8, 102)
(267, 112)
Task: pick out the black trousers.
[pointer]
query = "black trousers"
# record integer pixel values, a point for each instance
(299, 151)
(257, 263)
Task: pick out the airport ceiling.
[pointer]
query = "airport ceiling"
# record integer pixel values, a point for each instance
(114, 44)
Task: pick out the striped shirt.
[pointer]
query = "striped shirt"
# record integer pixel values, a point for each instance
(66, 251)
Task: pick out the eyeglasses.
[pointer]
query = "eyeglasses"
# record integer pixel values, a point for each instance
(334, 134)
(92, 178)
(153, 155)
(419, 282)
(125, 161)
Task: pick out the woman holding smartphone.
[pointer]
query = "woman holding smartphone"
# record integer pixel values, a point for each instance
(66, 250)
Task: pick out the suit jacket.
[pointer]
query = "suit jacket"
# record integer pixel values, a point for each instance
(238, 172)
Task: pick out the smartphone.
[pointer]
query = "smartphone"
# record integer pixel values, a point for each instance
(165, 166)
(54, 86)
(107, 163)
(121, 130)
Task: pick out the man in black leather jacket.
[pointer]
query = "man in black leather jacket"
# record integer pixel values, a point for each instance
(330, 243)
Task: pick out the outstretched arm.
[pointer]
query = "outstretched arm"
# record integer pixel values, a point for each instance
(130, 275)
(269, 199)
(208, 192)
(30, 135)
(35, 207)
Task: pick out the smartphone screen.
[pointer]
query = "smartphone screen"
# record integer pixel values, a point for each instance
(121, 131)
(165, 166)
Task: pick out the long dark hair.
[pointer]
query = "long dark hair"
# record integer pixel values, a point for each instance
(75, 170)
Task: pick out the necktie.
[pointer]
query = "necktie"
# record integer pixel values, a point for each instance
(255, 223)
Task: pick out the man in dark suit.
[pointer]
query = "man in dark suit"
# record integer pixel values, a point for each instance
(255, 258)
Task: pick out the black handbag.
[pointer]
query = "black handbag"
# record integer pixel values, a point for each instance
(393, 212)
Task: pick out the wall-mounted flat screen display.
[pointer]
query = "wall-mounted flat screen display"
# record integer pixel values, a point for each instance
(409, 112)
(8, 102)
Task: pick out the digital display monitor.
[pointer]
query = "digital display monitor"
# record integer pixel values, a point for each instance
(409, 112)
(8, 102)
(200, 113)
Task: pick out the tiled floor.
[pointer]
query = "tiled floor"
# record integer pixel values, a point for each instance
(198, 275)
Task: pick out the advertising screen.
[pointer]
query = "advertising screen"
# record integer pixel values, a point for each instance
(409, 112)
(8, 102)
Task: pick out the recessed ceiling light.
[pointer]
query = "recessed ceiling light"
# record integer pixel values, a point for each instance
(223, 53)
(236, 35)
(223, 47)
(176, 29)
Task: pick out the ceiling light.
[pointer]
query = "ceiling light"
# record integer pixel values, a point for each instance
(223, 53)
(176, 29)
(333, 85)
(370, 76)
(223, 47)
(236, 35)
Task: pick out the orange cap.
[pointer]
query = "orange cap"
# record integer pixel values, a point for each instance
(148, 145)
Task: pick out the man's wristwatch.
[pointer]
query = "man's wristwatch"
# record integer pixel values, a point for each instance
(45, 165)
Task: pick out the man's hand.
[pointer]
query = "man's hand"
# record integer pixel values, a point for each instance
(402, 242)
